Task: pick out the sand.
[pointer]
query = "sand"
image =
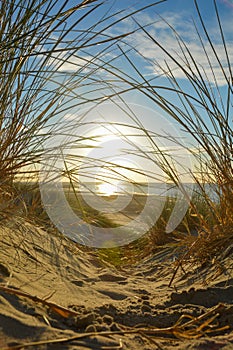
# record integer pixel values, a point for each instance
(55, 296)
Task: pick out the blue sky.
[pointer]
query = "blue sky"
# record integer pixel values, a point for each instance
(179, 14)
(150, 62)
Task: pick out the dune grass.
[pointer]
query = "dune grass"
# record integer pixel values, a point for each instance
(39, 38)
(201, 104)
(40, 41)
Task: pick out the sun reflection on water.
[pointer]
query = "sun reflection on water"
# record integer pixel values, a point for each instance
(107, 189)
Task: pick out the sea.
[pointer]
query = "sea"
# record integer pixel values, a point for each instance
(146, 189)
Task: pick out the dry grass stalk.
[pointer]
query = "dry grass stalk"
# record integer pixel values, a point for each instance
(194, 328)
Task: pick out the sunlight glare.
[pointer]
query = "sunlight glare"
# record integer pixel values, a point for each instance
(107, 189)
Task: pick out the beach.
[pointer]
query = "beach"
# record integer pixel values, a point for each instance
(55, 296)
(116, 175)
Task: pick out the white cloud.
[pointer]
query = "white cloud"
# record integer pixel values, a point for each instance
(70, 63)
(154, 58)
(70, 116)
(162, 33)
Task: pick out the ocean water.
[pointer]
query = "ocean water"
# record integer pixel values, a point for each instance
(155, 188)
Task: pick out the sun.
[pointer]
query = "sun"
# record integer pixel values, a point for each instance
(107, 189)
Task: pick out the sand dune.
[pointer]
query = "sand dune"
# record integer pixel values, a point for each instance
(55, 296)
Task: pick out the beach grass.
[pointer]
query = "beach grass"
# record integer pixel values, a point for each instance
(168, 287)
(201, 105)
(32, 99)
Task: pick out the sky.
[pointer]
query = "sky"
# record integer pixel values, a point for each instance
(134, 108)
(150, 59)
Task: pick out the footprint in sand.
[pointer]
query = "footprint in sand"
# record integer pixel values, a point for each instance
(113, 295)
(4, 272)
(107, 277)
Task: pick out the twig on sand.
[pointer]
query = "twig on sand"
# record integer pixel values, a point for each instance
(194, 328)
(62, 311)
(186, 254)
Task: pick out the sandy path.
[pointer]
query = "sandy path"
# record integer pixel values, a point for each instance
(102, 299)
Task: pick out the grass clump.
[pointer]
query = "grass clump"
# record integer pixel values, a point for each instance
(44, 73)
(201, 104)
(197, 97)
